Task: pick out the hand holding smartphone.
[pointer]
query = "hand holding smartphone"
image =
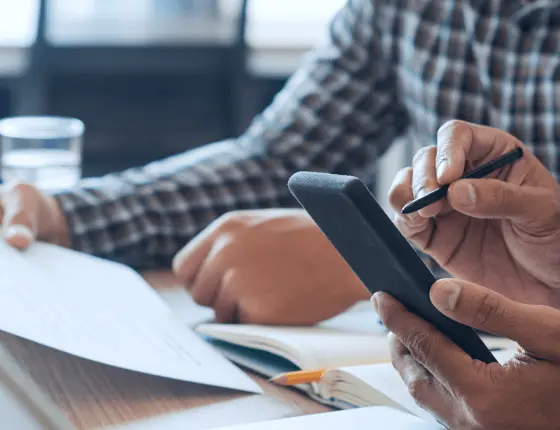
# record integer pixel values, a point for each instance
(352, 220)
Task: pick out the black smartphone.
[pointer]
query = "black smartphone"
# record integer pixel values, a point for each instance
(350, 217)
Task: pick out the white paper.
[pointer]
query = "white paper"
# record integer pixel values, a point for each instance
(385, 379)
(14, 414)
(372, 418)
(307, 347)
(105, 312)
(22, 404)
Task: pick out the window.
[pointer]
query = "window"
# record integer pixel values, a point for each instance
(18, 22)
(289, 24)
(279, 32)
(142, 22)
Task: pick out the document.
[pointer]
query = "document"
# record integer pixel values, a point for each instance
(105, 312)
(371, 418)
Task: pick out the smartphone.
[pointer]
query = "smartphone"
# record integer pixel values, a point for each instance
(350, 217)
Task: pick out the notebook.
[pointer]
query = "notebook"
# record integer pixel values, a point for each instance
(353, 338)
(374, 385)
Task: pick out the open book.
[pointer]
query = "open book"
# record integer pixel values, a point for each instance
(377, 384)
(353, 338)
(353, 345)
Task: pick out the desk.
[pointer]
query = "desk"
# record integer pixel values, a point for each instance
(94, 395)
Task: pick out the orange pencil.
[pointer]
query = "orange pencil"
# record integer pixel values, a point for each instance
(299, 377)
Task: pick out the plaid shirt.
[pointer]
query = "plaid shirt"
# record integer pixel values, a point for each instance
(389, 67)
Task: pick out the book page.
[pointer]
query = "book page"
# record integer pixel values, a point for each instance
(372, 418)
(352, 338)
(380, 378)
(105, 312)
(307, 347)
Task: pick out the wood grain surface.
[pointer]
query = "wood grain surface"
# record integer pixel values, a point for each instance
(94, 395)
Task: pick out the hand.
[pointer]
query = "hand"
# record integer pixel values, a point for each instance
(468, 394)
(267, 267)
(502, 231)
(28, 214)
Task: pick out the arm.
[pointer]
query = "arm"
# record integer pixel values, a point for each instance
(326, 118)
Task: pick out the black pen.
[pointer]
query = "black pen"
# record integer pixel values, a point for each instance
(479, 172)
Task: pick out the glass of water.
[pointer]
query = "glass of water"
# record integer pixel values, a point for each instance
(42, 150)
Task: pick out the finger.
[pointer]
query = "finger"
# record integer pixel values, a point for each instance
(225, 305)
(189, 259)
(534, 327)
(412, 226)
(459, 142)
(19, 223)
(429, 393)
(208, 280)
(430, 348)
(400, 192)
(400, 358)
(493, 198)
(415, 228)
(424, 179)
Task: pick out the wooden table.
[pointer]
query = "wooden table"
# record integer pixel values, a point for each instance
(98, 396)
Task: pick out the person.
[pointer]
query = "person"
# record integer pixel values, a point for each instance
(221, 214)
(500, 237)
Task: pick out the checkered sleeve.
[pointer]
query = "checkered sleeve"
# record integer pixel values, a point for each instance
(335, 114)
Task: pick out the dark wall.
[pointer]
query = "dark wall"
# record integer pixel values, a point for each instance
(5, 99)
(131, 120)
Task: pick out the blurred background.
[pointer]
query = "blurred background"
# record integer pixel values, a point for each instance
(150, 78)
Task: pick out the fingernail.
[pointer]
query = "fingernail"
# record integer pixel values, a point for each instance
(447, 295)
(19, 231)
(441, 168)
(465, 192)
(374, 302)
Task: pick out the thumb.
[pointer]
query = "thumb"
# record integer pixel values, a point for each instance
(493, 198)
(19, 226)
(535, 328)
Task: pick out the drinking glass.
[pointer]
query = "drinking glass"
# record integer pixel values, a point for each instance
(45, 151)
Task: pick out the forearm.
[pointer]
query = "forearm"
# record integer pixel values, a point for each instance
(143, 216)
(336, 114)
